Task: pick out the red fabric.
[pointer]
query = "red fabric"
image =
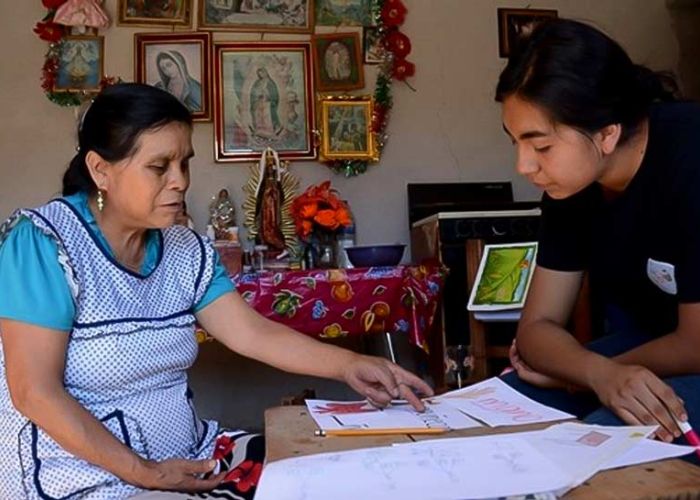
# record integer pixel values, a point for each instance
(341, 302)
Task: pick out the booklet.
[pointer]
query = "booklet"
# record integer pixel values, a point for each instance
(357, 417)
(503, 277)
(495, 403)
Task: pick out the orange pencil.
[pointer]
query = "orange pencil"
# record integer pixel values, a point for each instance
(380, 432)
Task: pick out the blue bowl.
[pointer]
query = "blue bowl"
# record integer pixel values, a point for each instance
(375, 255)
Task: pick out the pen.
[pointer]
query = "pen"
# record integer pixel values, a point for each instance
(689, 434)
(379, 432)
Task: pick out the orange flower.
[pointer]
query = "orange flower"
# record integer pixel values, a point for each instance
(343, 216)
(306, 227)
(319, 208)
(308, 210)
(327, 219)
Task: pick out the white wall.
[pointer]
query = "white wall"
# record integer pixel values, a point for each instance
(448, 130)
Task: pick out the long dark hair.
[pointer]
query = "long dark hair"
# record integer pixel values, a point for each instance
(582, 78)
(113, 123)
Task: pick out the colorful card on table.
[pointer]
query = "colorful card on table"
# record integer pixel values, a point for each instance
(497, 404)
(361, 416)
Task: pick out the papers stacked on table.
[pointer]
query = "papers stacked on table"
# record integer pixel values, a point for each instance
(547, 462)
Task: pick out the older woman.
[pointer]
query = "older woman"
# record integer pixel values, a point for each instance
(99, 292)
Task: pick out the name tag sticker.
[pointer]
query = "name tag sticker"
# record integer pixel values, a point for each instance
(663, 275)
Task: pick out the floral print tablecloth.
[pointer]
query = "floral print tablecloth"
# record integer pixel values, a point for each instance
(332, 303)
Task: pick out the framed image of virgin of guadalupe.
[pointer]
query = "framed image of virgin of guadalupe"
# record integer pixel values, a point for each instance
(179, 63)
(263, 98)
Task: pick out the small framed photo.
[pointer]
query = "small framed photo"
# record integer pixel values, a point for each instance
(155, 13)
(373, 49)
(517, 23)
(288, 16)
(179, 63)
(338, 62)
(80, 64)
(263, 98)
(503, 278)
(344, 12)
(346, 128)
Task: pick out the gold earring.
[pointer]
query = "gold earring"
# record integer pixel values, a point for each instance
(100, 200)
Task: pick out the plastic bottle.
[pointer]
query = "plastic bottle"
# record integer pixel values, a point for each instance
(346, 239)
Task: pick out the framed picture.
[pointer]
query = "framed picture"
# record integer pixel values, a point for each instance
(374, 51)
(516, 23)
(80, 64)
(338, 62)
(179, 63)
(346, 128)
(344, 12)
(263, 97)
(291, 16)
(155, 12)
(503, 277)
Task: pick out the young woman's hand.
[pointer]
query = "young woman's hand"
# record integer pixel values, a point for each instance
(639, 397)
(177, 474)
(380, 381)
(527, 374)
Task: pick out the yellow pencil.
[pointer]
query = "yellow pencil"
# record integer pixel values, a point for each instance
(379, 432)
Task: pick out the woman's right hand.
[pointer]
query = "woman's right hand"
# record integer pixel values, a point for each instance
(639, 397)
(177, 474)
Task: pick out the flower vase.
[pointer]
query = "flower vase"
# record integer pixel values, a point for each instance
(325, 255)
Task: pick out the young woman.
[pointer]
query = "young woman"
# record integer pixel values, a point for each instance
(99, 292)
(619, 163)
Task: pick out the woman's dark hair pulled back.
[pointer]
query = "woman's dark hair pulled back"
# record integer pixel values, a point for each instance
(582, 78)
(113, 123)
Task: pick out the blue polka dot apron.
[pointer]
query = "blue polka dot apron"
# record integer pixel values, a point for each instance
(131, 344)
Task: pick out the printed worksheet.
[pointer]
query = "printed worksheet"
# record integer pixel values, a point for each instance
(332, 415)
(495, 403)
(497, 467)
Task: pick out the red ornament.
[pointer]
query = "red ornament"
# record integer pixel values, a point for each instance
(378, 118)
(393, 13)
(53, 4)
(398, 44)
(49, 31)
(403, 69)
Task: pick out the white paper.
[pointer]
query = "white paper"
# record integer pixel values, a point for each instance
(649, 450)
(496, 404)
(497, 467)
(580, 450)
(330, 415)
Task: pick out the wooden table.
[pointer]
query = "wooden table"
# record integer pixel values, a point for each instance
(289, 432)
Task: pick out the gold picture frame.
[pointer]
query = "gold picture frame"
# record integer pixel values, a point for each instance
(149, 13)
(80, 64)
(346, 128)
(259, 17)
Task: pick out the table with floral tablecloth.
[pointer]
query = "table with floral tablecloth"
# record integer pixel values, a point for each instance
(330, 303)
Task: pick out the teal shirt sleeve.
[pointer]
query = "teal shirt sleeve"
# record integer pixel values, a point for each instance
(33, 288)
(219, 285)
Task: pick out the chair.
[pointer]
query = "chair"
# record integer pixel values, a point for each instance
(482, 350)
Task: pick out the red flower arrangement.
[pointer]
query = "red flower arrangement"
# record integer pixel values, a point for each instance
(319, 212)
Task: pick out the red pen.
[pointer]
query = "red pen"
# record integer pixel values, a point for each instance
(690, 435)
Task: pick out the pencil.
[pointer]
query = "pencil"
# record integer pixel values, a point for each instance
(379, 432)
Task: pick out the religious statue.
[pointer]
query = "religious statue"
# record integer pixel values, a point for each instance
(270, 197)
(222, 215)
